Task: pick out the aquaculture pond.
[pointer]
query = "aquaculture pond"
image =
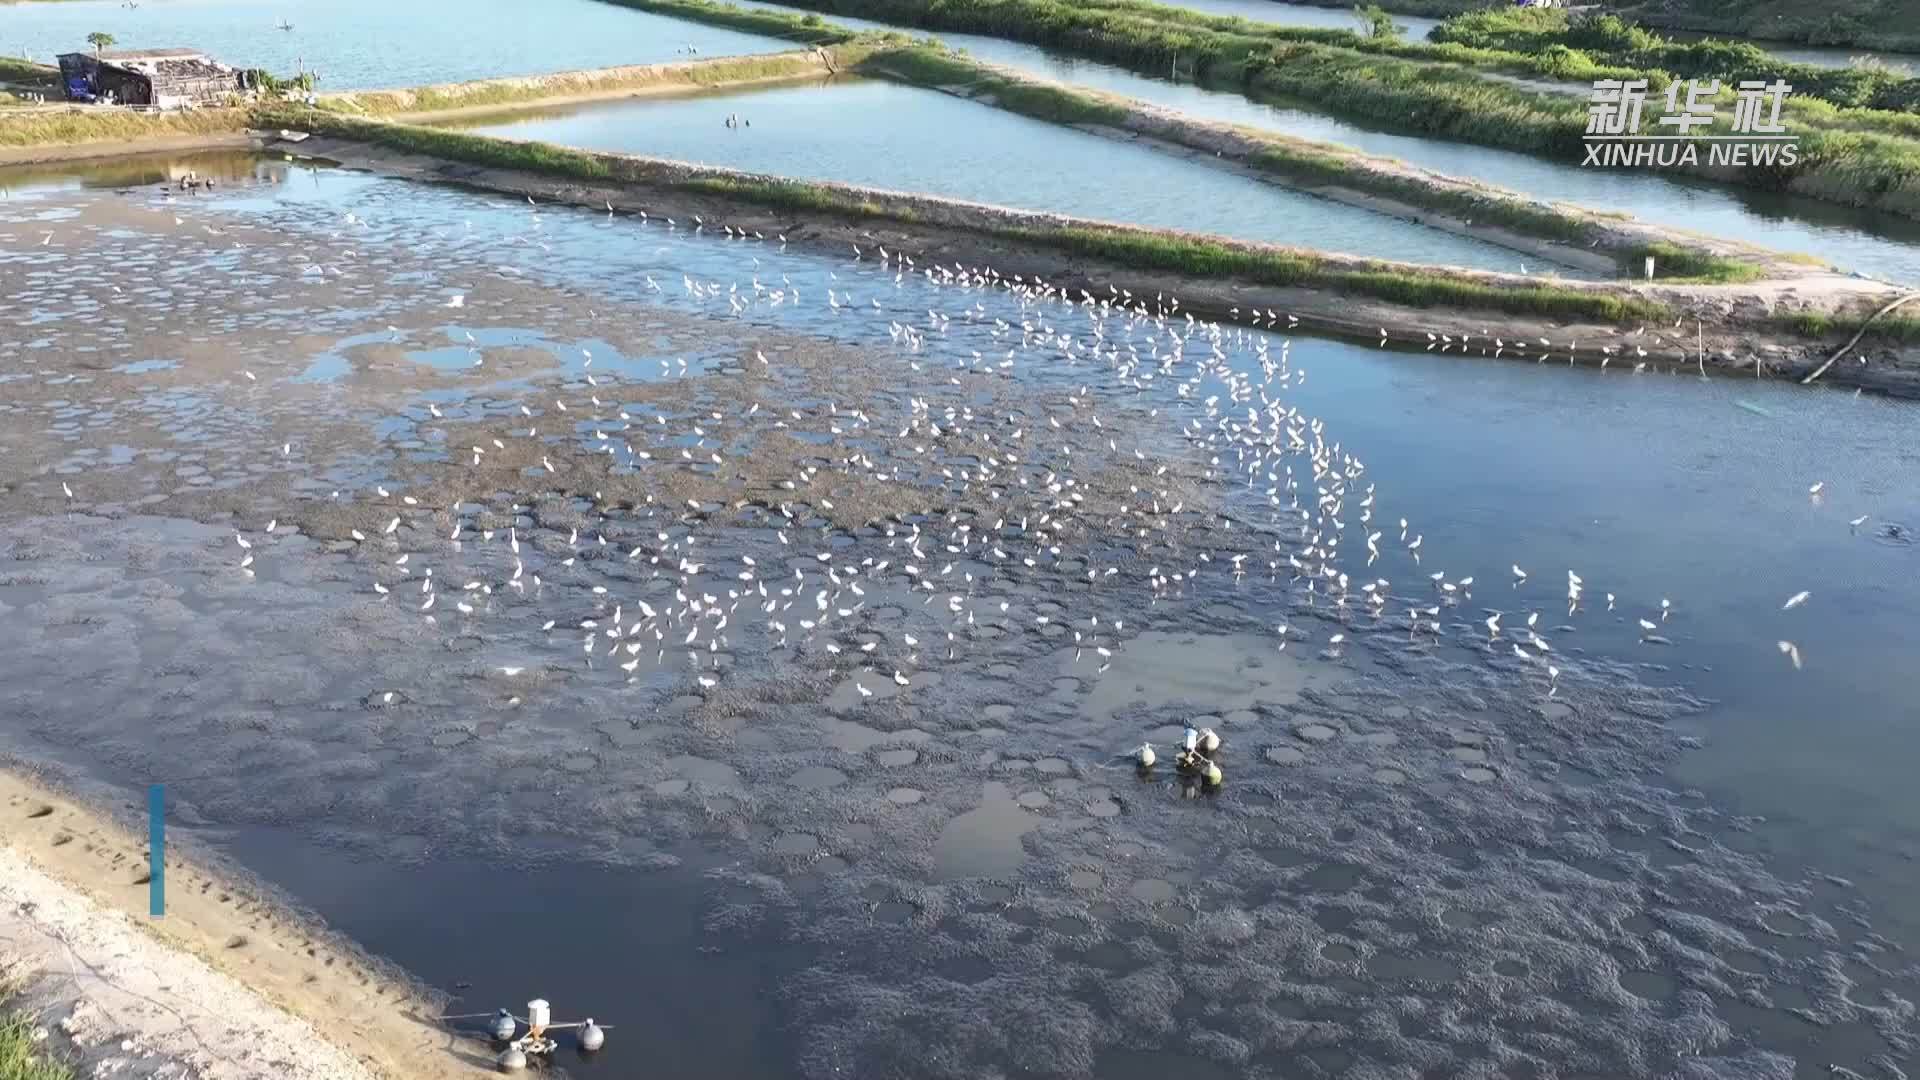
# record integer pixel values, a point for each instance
(1882, 245)
(904, 138)
(833, 777)
(358, 44)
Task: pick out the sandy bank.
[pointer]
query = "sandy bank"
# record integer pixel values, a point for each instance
(1725, 327)
(227, 986)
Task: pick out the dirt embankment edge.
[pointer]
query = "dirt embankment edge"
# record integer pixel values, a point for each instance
(233, 981)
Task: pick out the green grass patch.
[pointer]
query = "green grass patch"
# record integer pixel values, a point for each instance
(1898, 328)
(1837, 161)
(21, 1058)
(792, 195)
(1310, 166)
(84, 124)
(28, 73)
(1143, 249)
(1414, 287)
(1673, 262)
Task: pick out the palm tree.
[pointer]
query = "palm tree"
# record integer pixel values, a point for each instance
(100, 42)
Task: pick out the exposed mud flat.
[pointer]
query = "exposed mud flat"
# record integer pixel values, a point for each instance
(1428, 856)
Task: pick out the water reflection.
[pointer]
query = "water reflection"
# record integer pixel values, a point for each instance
(904, 138)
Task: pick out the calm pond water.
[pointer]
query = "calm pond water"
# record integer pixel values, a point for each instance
(906, 138)
(358, 44)
(1878, 244)
(1649, 486)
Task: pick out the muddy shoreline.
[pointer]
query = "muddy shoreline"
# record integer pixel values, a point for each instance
(313, 980)
(1734, 323)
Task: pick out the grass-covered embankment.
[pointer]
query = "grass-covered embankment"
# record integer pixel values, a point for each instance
(1135, 248)
(1864, 24)
(1857, 157)
(1896, 328)
(1609, 39)
(1334, 170)
(606, 82)
(79, 125)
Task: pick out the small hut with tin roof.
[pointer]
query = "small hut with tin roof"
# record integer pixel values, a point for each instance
(161, 78)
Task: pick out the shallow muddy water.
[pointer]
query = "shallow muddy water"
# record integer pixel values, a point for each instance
(961, 874)
(1882, 245)
(361, 44)
(905, 138)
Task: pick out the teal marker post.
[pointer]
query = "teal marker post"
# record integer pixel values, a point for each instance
(156, 843)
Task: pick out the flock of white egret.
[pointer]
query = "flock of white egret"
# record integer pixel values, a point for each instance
(1011, 491)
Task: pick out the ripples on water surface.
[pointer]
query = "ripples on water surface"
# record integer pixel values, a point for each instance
(1409, 831)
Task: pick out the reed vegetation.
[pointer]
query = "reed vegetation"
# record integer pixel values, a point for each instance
(87, 124)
